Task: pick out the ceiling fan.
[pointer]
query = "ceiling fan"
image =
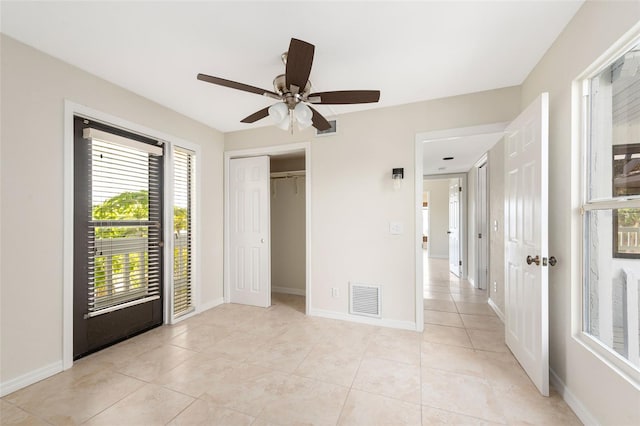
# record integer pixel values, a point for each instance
(293, 89)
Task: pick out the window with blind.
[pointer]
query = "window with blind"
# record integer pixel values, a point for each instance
(183, 172)
(124, 233)
(611, 302)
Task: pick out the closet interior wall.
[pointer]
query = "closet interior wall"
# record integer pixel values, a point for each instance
(288, 273)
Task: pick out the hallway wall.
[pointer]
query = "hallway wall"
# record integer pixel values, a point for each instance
(496, 216)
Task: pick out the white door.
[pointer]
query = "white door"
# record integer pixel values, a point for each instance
(454, 227)
(249, 231)
(526, 241)
(483, 229)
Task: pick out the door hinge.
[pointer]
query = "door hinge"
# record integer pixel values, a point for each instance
(460, 262)
(459, 189)
(480, 235)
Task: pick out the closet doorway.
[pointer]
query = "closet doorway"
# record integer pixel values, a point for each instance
(288, 223)
(284, 245)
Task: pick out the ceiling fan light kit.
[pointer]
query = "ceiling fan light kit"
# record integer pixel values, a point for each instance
(293, 90)
(303, 116)
(278, 113)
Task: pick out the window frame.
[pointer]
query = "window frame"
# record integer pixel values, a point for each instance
(174, 144)
(192, 199)
(581, 140)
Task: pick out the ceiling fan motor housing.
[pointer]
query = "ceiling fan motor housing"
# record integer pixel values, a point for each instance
(291, 99)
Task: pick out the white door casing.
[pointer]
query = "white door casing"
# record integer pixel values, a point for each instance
(526, 234)
(482, 228)
(454, 227)
(249, 231)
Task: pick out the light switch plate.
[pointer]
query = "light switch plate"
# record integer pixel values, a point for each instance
(396, 228)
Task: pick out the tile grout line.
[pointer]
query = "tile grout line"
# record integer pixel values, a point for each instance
(182, 411)
(344, 404)
(125, 396)
(26, 411)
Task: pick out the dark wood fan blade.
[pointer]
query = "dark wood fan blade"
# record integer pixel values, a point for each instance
(299, 61)
(259, 115)
(319, 122)
(345, 97)
(235, 85)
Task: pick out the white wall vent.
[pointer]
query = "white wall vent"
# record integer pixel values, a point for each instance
(364, 299)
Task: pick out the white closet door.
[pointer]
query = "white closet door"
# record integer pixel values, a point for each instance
(249, 231)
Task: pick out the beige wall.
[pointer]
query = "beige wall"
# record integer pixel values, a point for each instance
(597, 25)
(34, 88)
(438, 217)
(353, 201)
(496, 214)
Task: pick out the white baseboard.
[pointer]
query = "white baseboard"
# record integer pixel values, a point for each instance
(496, 309)
(574, 403)
(210, 305)
(288, 290)
(381, 322)
(30, 378)
(472, 282)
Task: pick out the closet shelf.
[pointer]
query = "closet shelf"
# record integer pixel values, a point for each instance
(293, 173)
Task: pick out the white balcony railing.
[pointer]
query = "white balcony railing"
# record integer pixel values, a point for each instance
(629, 239)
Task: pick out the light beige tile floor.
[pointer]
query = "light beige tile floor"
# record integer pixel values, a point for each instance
(239, 365)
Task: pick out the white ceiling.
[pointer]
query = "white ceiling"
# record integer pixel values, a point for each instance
(466, 151)
(410, 51)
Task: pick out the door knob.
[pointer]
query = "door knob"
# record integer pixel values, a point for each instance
(262, 240)
(448, 232)
(531, 260)
(553, 261)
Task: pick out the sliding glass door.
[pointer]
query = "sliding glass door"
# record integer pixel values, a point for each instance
(118, 262)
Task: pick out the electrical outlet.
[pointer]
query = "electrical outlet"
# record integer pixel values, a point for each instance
(334, 292)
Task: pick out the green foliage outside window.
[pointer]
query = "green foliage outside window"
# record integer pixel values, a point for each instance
(629, 217)
(126, 206)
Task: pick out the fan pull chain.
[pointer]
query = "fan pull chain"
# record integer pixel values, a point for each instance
(291, 121)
